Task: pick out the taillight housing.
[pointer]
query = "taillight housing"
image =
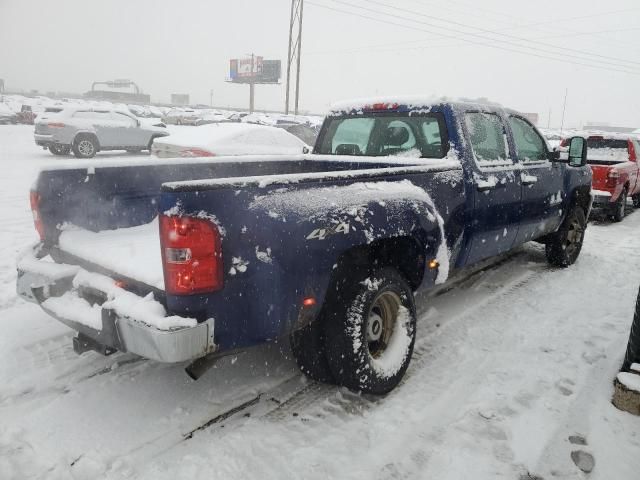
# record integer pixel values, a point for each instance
(612, 178)
(633, 155)
(191, 255)
(34, 198)
(196, 152)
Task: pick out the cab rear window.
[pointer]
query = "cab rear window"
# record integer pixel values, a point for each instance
(380, 135)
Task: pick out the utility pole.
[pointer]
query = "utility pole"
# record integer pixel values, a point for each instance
(564, 108)
(295, 45)
(251, 86)
(549, 120)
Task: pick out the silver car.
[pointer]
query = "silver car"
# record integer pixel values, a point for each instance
(86, 131)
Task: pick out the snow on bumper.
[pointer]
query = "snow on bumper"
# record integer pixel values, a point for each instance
(95, 306)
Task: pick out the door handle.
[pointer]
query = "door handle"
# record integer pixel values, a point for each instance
(528, 179)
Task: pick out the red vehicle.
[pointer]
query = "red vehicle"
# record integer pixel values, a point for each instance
(26, 115)
(616, 172)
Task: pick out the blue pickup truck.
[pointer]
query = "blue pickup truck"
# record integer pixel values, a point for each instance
(182, 261)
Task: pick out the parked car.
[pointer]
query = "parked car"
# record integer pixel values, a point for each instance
(613, 159)
(200, 259)
(7, 116)
(227, 139)
(180, 116)
(307, 134)
(86, 132)
(26, 115)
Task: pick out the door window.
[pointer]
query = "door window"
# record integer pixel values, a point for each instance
(488, 140)
(530, 146)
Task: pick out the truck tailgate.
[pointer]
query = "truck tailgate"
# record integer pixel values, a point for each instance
(132, 252)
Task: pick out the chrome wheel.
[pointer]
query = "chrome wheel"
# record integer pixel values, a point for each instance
(381, 322)
(574, 237)
(86, 148)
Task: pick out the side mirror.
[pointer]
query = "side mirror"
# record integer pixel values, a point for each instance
(577, 152)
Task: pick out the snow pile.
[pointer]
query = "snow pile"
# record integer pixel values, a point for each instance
(145, 310)
(132, 252)
(631, 380)
(607, 154)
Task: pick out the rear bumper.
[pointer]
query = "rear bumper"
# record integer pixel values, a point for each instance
(92, 305)
(43, 140)
(602, 199)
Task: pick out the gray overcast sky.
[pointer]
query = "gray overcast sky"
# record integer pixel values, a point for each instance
(185, 46)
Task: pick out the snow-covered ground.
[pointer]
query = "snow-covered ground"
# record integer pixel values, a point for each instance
(508, 365)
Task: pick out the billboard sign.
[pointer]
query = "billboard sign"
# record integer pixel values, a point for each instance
(254, 70)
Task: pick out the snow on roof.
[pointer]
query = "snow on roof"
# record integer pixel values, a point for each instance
(210, 134)
(411, 101)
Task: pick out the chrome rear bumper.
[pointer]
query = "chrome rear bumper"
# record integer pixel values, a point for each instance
(61, 292)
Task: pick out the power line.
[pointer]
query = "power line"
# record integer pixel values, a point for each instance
(625, 64)
(387, 22)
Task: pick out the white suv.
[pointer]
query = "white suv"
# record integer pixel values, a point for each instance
(86, 131)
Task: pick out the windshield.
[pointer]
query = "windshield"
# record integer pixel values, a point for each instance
(379, 135)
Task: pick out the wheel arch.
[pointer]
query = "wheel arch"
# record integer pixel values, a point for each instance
(86, 133)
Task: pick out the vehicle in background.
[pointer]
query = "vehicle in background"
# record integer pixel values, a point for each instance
(553, 137)
(192, 260)
(180, 116)
(26, 115)
(209, 117)
(86, 132)
(613, 159)
(228, 139)
(7, 116)
(307, 134)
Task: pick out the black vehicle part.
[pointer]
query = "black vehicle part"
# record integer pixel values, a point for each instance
(633, 346)
(58, 149)
(563, 247)
(370, 330)
(619, 210)
(82, 344)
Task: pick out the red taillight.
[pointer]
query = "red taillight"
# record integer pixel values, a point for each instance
(612, 178)
(633, 156)
(55, 125)
(34, 198)
(196, 152)
(191, 255)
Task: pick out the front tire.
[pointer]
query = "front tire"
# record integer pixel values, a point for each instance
(563, 247)
(370, 331)
(85, 146)
(636, 200)
(58, 149)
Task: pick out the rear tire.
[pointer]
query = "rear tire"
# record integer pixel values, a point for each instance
(58, 149)
(370, 331)
(85, 146)
(620, 207)
(636, 200)
(564, 246)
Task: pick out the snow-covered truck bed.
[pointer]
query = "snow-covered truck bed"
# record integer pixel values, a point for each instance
(324, 250)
